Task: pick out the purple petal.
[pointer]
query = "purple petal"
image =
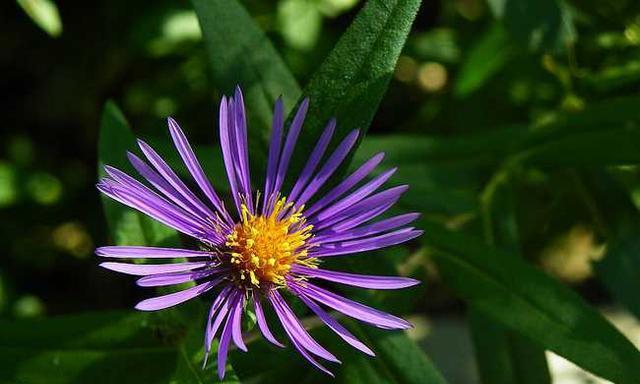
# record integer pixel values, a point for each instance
(313, 161)
(366, 244)
(236, 330)
(170, 176)
(224, 297)
(329, 167)
(134, 252)
(300, 348)
(223, 347)
(355, 197)
(228, 151)
(351, 308)
(295, 330)
(336, 326)
(152, 269)
(242, 155)
(166, 301)
(274, 153)
(356, 280)
(331, 236)
(369, 204)
(164, 279)
(161, 184)
(193, 165)
(348, 183)
(359, 219)
(151, 204)
(289, 145)
(262, 322)
(124, 182)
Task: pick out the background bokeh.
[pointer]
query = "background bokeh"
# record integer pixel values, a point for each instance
(474, 79)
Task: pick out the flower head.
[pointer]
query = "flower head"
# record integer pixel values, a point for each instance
(268, 243)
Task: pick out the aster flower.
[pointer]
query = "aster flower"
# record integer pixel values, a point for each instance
(269, 243)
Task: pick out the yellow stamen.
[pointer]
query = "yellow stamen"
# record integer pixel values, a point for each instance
(265, 247)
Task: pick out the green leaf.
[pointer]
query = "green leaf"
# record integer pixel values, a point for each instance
(503, 356)
(99, 347)
(610, 145)
(45, 14)
(513, 358)
(398, 360)
(240, 54)
(486, 58)
(525, 300)
(352, 80)
(95, 348)
(126, 226)
(565, 139)
(618, 219)
(542, 24)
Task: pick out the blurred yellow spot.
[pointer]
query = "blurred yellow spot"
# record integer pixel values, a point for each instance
(569, 256)
(432, 77)
(73, 238)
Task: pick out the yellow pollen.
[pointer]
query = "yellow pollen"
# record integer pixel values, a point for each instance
(265, 247)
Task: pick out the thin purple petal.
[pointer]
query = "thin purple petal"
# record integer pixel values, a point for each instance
(358, 175)
(135, 252)
(236, 330)
(170, 176)
(366, 244)
(351, 308)
(193, 165)
(335, 326)
(313, 161)
(152, 269)
(289, 145)
(356, 280)
(166, 301)
(295, 330)
(369, 204)
(164, 279)
(227, 154)
(355, 197)
(333, 162)
(211, 329)
(274, 153)
(223, 347)
(242, 151)
(262, 322)
(331, 236)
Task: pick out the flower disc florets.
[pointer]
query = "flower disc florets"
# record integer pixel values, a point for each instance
(264, 247)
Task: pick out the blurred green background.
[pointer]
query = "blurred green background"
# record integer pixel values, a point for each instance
(541, 93)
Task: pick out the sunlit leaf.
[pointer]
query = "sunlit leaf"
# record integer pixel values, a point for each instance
(352, 80)
(525, 300)
(487, 57)
(541, 24)
(240, 54)
(45, 14)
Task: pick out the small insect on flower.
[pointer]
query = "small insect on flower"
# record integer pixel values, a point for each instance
(269, 243)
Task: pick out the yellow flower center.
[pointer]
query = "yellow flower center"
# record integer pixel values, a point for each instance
(263, 248)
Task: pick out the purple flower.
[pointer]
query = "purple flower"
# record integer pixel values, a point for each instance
(268, 243)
